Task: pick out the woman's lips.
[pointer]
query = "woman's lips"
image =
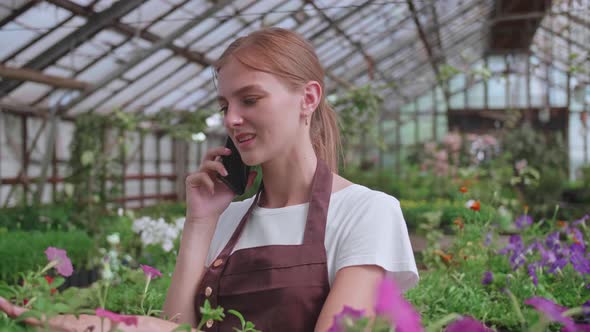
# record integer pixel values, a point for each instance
(246, 141)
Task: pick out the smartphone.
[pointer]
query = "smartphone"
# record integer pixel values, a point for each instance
(237, 171)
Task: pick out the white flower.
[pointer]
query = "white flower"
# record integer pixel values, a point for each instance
(180, 223)
(469, 203)
(167, 246)
(199, 137)
(114, 239)
(106, 272)
(120, 212)
(158, 231)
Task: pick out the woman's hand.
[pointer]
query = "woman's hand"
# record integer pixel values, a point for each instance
(69, 323)
(206, 196)
(61, 323)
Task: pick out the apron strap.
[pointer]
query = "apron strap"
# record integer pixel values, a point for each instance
(317, 215)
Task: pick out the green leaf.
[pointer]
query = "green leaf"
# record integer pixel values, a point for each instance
(30, 314)
(183, 327)
(240, 317)
(87, 158)
(62, 308)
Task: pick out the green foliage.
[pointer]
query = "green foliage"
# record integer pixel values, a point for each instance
(358, 110)
(24, 251)
(91, 165)
(164, 210)
(97, 164)
(455, 286)
(544, 153)
(43, 217)
(419, 212)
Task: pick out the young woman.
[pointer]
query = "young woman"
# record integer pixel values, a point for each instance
(310, 241)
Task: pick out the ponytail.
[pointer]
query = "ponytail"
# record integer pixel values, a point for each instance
(325, 135)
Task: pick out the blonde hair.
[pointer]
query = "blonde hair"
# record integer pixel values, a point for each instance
(293, 60)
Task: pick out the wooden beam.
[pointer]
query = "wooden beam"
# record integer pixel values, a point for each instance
(135, 60)
(24, 74)
(77, 37)
(130, 31)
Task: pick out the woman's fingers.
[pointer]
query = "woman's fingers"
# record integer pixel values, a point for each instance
(210, 166)
(200, 179)
(15, 311)
(215, 152)
(10, 309)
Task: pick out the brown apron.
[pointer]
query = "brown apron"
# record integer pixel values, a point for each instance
(276, 287)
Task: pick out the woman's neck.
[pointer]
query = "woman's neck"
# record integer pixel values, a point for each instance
(288, 181)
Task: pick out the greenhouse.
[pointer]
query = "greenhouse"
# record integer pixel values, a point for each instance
(454, 135)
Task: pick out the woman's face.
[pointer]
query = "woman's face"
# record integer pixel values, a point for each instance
(262, 116)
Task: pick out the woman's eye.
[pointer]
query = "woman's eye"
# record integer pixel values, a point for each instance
(250, 101)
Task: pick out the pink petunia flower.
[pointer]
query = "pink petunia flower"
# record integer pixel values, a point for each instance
(467, 324)
(127, 320)
(340, 320)
(552, 311)
(64, 264)
(150, 271)
(392, 304)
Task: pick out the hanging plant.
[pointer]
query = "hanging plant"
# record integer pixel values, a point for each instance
(98, 149)
(358, 110)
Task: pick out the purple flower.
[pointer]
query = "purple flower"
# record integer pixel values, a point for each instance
(532, 269)
(547, 257)
(488, 278)
(523, 221)
(579, 262)
(581, 220)
(391, 304)
(64, 264)
(552, 311)
(488, 240)
(340, 320)
(558, 265)
(150, 272)
(127, 320)
(467, 324)
(552, 240)
(577, 236)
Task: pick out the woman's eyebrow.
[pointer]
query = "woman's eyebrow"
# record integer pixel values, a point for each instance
(242, 90)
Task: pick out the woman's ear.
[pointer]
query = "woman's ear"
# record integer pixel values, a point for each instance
(312, 95)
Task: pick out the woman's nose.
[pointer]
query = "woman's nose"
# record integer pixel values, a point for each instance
(233, 118)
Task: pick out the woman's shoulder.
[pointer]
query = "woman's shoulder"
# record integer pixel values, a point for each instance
(357, 196)
(236, 209)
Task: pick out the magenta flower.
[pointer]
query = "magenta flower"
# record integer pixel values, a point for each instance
(467, 324)
(579, 328)
(552, 311)
(150, 272)
(64, 264)
(391, 304)
(127, 320)
(340, 319)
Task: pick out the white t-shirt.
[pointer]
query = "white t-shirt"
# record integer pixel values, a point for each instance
(364, 227)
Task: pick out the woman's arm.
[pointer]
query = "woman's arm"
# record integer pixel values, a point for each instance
(354, 286)
(188, 272)
(68, 323)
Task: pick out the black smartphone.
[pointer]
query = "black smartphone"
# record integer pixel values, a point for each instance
(237, 171)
